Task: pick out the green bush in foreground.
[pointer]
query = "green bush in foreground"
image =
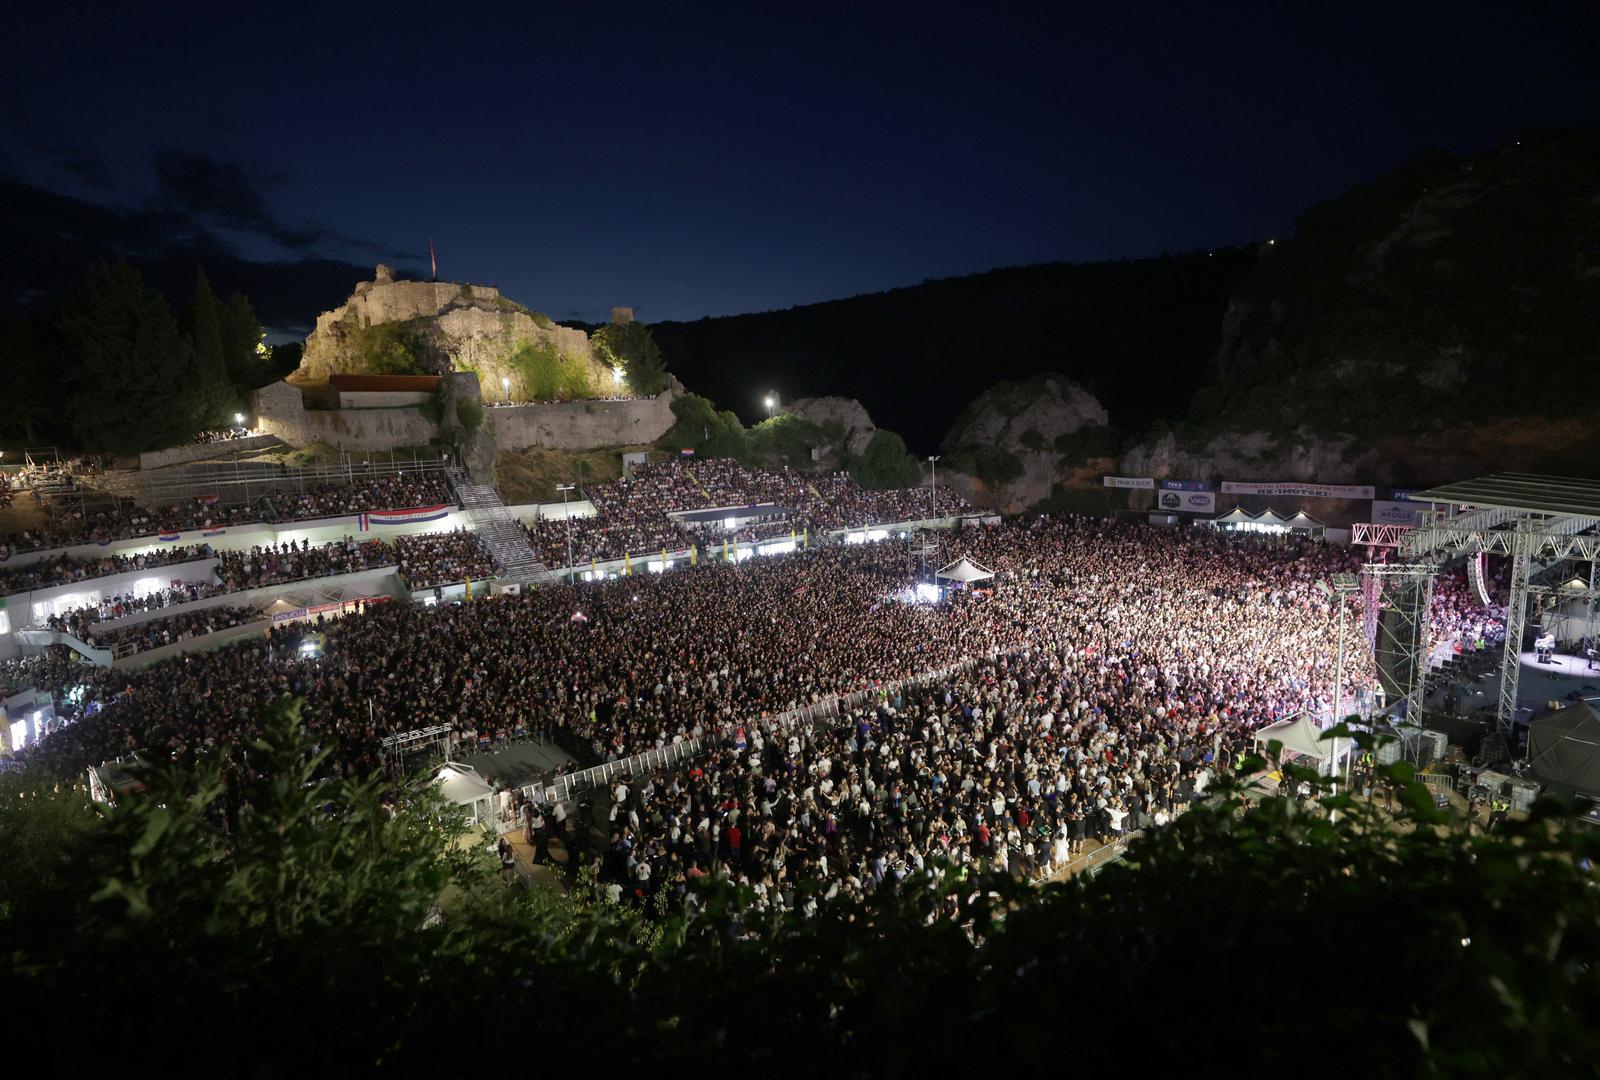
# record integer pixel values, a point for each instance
(263, 909)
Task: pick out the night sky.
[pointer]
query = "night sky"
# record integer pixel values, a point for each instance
(691, 163)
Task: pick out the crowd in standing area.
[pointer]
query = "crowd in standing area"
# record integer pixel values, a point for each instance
(1227, 635)
(274, 564)
(633, 514)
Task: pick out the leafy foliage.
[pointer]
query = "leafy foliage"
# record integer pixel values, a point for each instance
(262, 896)
(470, 413)
(137, 384)
(631, 346)
(700, 427)
(543, 374)
(386, 349)
(886, 463)
(991, 464)
(785, 440)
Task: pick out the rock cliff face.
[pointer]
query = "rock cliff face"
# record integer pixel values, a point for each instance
(1012, 446)
(453, 327)
(847, 414)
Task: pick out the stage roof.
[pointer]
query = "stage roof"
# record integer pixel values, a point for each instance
(1520, 491)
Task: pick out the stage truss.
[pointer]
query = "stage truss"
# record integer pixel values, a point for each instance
(396, 747)
(1538, 522)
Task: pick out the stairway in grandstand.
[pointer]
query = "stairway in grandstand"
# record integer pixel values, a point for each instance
(514, 560)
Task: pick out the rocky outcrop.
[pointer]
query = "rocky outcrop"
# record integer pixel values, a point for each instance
(1011, 447)
(845, 415)
(451, 327)
(463, 426)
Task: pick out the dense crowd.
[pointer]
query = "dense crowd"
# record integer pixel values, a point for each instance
(77, 620)
(206, 438)
(140, 637)
(1462, 625)
(100, 517)
(64, 570)
(1219, 637)
(632, 515)
(274, 564)
(442, 559)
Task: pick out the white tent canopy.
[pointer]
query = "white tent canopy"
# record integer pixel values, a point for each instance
(1299, 736)
(1269, 517)
(965, 571)
(461, 785)
(1236, 516)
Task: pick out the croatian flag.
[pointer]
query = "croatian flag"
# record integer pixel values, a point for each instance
(687, 451)
(740, 740)
(207, 500)
(403, 517)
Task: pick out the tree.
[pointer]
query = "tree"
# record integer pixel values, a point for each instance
(702, 428)
(886, 463)
(244, 350)
(206, 333)
(30, 357)
(137, 384)
(630, 346)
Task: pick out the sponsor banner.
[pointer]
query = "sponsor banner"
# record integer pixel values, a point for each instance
(1185, 485)
(1188, 502)
(403, 517)
(1401, 494)
(1314, 491)
(169, 538)
(214, 532)
(1396, 512)
(1143, 483)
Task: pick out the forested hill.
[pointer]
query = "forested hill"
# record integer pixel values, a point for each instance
(1451, 291)
(1138, 334)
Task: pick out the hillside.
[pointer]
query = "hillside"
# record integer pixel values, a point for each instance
(1137, 334)
(1452, 290)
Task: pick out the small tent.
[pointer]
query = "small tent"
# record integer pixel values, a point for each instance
(965, 571)
(1232, 519)
(1270, 517)
(462, 786)
(1304, 522)
(1564, 748)
(1301, 738)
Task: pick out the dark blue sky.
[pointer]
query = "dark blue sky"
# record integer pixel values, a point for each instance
(709, 161)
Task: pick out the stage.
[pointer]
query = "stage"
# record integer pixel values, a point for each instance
(1577, 667)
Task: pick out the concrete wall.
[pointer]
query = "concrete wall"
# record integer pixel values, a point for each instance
(582, 425)
(178, 455)
(280, 411)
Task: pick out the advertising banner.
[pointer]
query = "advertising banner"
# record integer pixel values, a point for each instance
(1314, 491)
(1188, 502)
(1142, 483)
(1396, 512)
(1185, 485)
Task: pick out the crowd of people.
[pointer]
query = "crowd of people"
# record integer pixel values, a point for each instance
(1461, 624)
(120, 605)
(1124, 656)
(141, 637)
(65, 570)
(633, 515)
(433, 559)
(206, 438)
(95, 516)
(274, 564)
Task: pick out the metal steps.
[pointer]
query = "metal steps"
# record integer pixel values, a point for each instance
(514, 560)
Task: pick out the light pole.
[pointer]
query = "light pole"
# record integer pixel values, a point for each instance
(933, 462)
(505, 388)
(771, 401)
(1344, 586)
(564, 488)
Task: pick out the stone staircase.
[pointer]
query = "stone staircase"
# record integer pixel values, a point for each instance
(514, 560)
